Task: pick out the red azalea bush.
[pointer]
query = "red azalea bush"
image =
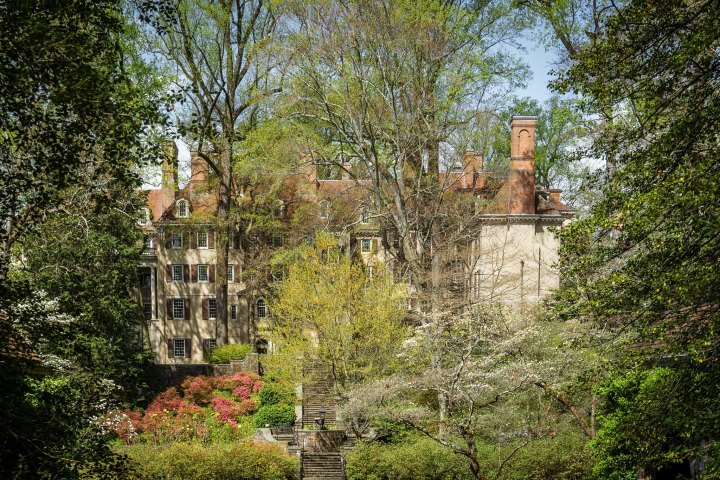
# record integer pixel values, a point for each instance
(201, 405)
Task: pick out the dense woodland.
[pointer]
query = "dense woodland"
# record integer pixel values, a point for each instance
(615, 376)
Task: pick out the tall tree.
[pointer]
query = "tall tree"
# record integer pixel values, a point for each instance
(219, 51)
(394, 84)
(75, 108)
(645, 260)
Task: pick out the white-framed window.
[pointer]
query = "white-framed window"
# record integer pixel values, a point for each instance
(277, 275)
(203, 273)
(261, 308)
(147, 309)
(178, 305)
(144, 217)
(179, 347)
(211, 343)
(148, 242)
(176, 241)
(369, 271)
(231, 272)
(233, 312)
(202, 240)
(277, 240)
(365, 245)
(183, 209)
(212, 308)
(177, 273)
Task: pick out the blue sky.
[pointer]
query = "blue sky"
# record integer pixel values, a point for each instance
(540, 63)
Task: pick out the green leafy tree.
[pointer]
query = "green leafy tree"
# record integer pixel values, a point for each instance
(645, 260)
(337, 312)
(220, 56)
(75, 106)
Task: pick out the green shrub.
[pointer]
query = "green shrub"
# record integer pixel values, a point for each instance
(274, 415)
(196, 461)
(225, 353)
(413, 459)
(275, 393)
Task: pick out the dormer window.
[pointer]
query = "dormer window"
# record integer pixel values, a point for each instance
(144, 217)
(183, 209)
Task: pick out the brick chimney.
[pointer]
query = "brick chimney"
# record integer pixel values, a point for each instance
(521, 184)
(198, 172)
(472, 167)
(169, 166)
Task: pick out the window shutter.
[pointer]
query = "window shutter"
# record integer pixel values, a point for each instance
(375, 245)
(211, 273)
(186, 272)
(153, 242)
(171, 348)
(205, 309)
(188, 348)
(211, 239)
(353, 246)
(236, 239)
(231, 239)
(168, 239)
(194, 273)
(169, 309)
(206, 347)
(168, 273)
(193, 239)
(187, 309)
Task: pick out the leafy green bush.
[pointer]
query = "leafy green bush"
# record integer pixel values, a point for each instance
(414, 459)
(192, 460)
(274, 415)
(564, 456)
(225, 353)
(276, 393)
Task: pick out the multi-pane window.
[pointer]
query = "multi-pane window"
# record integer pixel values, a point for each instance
(211, 343)
(145, 280)
(277, 241)
(202, 240)
(177, 273)
(366, 245)
(179, 347)
(203, 275)
(178, 309)
(182, 209)
(369, 271)
(176, 241)
(212, 308)
(147, 309)
(233, 312)
(148, 242)
(231, 273)
(262, 310)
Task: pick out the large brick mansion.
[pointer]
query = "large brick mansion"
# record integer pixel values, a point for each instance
(510, 260)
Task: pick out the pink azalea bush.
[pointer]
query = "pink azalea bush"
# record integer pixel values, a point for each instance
(201, 405)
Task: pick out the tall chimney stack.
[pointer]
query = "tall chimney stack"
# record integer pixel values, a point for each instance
(169, 165)
(198, 171)
(522, 166)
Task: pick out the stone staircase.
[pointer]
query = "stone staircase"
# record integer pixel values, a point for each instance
(322, 459)
(322, 466)
(318, 393)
